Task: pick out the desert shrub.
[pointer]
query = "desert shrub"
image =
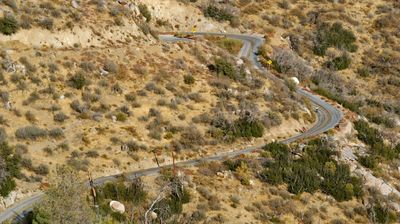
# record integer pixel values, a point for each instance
(368, 161)
(284, 4)
(30, 117)
(188, 79)
(382, 120)
(78, 81)
(30, 68)
(271, 119)
(116, 88)
(191, 137)
(367, 134)
(242, 127)
(248, 128)
(87, 66)
(379, 213)
(285, 61)
(196, 97)
(53, 67)
(363, 72)
(231, 45)
(8, 25)
(111, 67)
(78, 107)
(11, 3)
(27, 163)
(30, 132)
(339, 63)
(3, 135)
(218, 13)
(127, 192)
(145, 12)
(130, 97)
(121, 117)
(92, 154)
(145, 28)
(78, 164)
(41, 169)
(353, 106)
(225, 68)
(334, 36)
(56, 133)
(204, 118)
(46, 23)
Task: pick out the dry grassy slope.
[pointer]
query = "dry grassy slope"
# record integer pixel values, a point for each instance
(362, 17)
(217, 199)
(96, 145)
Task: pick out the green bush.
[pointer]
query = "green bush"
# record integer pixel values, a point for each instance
(78, 81)
(367, 134)
(382, 120)
(363, 72)
(373, 138)
(144, 10)
(315, 170)
(381, 214)
(368, 161)
(302, 178)
(121, 117)
(9, 168)
(334, 36)
(225, 68)
(8, 25)
(246, 128)
(339, 63)
(218, 13)
(353, 106)
(7, 186)
(189, 79)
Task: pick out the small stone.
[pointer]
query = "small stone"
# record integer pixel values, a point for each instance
(117, 206)
(153, 215)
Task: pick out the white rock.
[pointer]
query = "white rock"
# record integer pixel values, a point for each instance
(220, 174)
(103, 72)
(62, 97)
(153, 215)
(117, 206)
(295, 80)
(251, 182)
(8, 105)
(74, 4)
(114, 118)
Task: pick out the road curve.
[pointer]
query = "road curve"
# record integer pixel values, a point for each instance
(328, 117)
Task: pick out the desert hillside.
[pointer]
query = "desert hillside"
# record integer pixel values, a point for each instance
(91, 88)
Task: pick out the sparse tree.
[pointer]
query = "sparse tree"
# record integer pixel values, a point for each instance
(65, 201)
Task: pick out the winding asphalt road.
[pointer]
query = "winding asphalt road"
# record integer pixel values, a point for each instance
(328, 117)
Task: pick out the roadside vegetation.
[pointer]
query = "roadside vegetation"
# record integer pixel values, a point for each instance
(315, 170)
(10, 168)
